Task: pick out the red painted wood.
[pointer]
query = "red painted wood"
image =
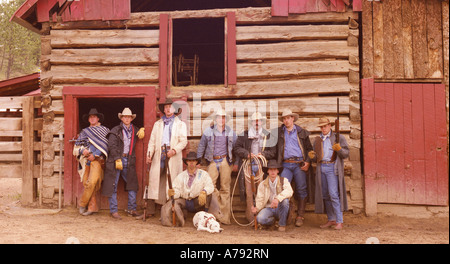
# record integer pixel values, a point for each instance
(340, 6)
(42, 11)
(418, 144)
(430, 144)
(76, 12)
(357, 5)
(407, 162)
(280, 7)
(231, 47)
(163, 55)
(322, 6)
(391, 191)
(441, 144)
(397, 184)
(23, 9)
(408, 138)
(92, 10)
(122, 9)
(380, 141)
(69, 133)
(107, 9)
(297, 6)
(312, 6)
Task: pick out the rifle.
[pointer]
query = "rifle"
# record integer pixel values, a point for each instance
(166, 164)
(146, 195)
(252, 182)
(336, 127)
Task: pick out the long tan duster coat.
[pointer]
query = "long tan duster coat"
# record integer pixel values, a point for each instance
(178, 142)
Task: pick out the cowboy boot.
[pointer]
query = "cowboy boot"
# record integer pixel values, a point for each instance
(300, 212)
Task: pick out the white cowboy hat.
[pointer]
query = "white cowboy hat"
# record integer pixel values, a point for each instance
(126, 112)
(288, 112)
(222, 112)
(257, 116)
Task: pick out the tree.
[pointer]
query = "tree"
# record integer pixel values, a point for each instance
(19, 47)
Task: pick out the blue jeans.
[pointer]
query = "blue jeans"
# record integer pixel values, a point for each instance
(330, 193)
(293, 171)
(268, 215)
(131, 194)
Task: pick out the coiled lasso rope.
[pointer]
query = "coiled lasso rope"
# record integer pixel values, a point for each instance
(261, 161)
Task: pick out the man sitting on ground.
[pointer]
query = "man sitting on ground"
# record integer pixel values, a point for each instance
(272, 198)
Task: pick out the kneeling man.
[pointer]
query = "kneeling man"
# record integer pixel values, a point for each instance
(193, 191)
(272, 198)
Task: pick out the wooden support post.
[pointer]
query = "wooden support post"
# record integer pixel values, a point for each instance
(28, 184)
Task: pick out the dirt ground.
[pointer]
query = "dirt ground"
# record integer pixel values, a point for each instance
(20, 225)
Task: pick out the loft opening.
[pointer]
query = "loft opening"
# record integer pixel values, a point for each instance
(198, 51)
(110, 107)
(174, 5)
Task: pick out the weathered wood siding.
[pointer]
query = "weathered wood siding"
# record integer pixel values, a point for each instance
(302, 62)
(403, 40)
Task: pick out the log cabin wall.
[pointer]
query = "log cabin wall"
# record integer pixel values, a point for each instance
(302, 62)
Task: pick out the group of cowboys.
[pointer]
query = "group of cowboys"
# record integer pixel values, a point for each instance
(276, 162)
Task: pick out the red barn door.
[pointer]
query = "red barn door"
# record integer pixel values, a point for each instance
(404, 144)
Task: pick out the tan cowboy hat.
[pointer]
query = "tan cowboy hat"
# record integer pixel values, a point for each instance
(257, 116)
(324, 121)
(126, 112)
(222, 112)
(288, 112)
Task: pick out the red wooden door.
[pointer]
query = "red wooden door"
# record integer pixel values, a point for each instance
(72, 185)
(404, 143)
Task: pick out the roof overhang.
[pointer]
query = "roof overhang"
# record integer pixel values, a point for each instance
(20, 85)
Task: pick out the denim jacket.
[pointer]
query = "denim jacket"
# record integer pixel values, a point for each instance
(206, 145)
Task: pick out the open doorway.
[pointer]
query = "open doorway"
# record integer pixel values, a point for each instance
(110, 107)
(109, 100)
(202, 39)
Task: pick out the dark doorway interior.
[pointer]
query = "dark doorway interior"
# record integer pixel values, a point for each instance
(206, 38)
(173, 5)
(110, 107)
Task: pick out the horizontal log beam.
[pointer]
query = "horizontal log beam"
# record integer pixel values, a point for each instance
(296, 50)
(293, 32)
(104, 38)
(126, 56)
(267, 89)
(291, 69)
(102, 74)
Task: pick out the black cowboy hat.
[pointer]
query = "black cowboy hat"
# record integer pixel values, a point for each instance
(273, 164)
(191, 156)
(170, 102)
(93, 111)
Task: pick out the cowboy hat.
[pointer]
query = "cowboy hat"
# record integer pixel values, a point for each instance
(222, 112)
(93, 111)
(191, 156)
(170, 102)
(288, 112)
(126, 112)
(324, 121)
(257, 116)
(273, 164)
